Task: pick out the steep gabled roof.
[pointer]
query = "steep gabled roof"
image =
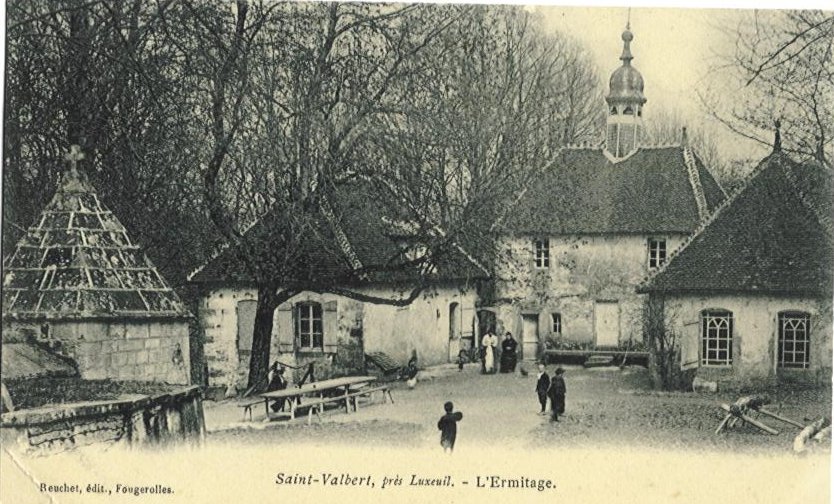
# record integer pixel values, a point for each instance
(352, 234)
(655, 190)
(773, 236)
(78, 262)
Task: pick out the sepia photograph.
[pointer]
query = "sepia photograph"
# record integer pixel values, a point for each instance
(326, 251)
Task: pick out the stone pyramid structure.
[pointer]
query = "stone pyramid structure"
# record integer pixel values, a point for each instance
(78, 262)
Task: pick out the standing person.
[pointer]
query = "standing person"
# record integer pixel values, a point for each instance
(508, 353)
(557, 394)
(542, 386)
(276, 381)
(489, 342)
(448, 427)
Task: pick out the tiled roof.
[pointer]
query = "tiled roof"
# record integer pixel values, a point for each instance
(321, 259)
(773, 236)
(77, 262)
(584, 191)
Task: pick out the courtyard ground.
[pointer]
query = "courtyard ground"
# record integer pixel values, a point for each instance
(619, 440)
(606, 407)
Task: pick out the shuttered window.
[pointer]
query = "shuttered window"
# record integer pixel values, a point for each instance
(309, 326)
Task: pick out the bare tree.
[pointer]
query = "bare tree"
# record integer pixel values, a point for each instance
(105, 76)
(783, 63)
(667, 127)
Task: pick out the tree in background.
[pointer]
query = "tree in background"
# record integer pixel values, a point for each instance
(105, 76)
(666, 127)
(782, 61)
(441, 111)
(200, 118)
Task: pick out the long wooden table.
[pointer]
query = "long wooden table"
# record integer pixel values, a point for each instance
(317, 389)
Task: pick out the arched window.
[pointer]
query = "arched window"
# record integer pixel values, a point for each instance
(309, 327)
(716, 338)
(628, 111)
(794, 339)
(613, 111)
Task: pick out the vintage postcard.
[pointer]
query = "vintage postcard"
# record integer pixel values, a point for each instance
(264, 251)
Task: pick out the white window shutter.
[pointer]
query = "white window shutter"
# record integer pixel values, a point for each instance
(330, 324)
(285, 329)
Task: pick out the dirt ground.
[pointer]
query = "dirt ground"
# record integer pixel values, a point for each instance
(606, 407)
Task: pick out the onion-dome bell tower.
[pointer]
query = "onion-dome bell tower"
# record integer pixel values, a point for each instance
(624, 127)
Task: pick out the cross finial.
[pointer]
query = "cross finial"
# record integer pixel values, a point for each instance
(628, 19)
(74, 156)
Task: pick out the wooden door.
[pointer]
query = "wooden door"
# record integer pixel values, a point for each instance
(529, 337)
(607, 323)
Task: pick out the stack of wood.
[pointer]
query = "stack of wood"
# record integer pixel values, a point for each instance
(819, 431)
(742, 409)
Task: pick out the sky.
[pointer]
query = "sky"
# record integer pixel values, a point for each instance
(673, 49)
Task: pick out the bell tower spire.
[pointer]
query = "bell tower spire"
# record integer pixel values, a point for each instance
(624, 126)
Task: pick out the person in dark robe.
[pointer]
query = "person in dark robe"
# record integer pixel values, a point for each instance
(542, 386)
(508, 353)
(557, 394)
(276, 381)
(448, 427)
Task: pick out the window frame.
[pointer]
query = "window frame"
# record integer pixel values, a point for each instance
(556, 323)
(314, 316)
(541, 253)
(711, 345)
(657, 252)
(781, 342)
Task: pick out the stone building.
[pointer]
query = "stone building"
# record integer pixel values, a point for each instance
(749, 297)
(596, 221)
(335, 331)
(77, 284)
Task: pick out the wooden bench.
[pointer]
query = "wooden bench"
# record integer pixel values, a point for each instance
(355, 394)
(317, 405)
(247, 406)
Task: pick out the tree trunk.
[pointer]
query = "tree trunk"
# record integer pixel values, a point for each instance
(261, 339)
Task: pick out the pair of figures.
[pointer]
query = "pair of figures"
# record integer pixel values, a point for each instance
(509, 358)
(553, 389)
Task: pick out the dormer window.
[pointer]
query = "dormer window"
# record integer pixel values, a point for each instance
(541, 248)
(657, 252)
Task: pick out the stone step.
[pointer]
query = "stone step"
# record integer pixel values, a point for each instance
(599, 360)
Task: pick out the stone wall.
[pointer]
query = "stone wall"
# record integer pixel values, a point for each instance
(137, 350)
(582, 271)
(755, 337)
(136, 420)
(350, 329)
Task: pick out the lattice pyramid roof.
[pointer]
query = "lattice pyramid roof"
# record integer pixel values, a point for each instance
(78, 262)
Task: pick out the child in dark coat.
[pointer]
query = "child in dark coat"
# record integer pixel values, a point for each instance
(448, 426)
(542, 386)
(557, 394)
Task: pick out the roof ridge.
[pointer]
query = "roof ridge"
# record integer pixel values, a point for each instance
(695, 182)
(644, 282)
(341, 238)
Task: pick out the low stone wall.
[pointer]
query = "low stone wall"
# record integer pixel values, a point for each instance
(135, 420)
